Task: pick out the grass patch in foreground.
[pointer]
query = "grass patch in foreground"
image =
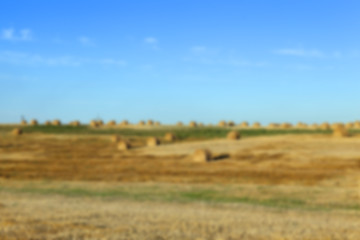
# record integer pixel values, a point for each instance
(204, 195)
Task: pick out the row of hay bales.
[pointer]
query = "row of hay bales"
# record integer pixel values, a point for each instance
(55, 122)
(299, 125)
(150, 142)
(339, 129)
(205, 155)
(200, 155)
(193, 124)
(124, 123)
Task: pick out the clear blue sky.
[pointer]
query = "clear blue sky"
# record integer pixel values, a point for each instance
(267, 61)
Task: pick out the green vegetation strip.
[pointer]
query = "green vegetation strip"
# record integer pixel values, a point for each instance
(181, 133)
(209, 196)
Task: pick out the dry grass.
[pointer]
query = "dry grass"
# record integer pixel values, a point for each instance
(31, 216)
(266, 160)
(277, 187)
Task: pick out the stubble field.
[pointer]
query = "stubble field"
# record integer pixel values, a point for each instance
(67, 183)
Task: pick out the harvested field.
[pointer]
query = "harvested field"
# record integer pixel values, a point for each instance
(307, 185)
(58, 217)
(281, 159)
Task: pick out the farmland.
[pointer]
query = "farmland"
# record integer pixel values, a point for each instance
(72, 182)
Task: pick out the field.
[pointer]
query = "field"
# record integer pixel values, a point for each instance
(65, 182)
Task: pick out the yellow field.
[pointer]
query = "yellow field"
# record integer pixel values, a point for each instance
(73, 186)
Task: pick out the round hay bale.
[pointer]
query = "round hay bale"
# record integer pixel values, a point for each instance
(286, 125)
(111, 123)
(325, 126)
(273, 126)
(75, 123)
(340, 131)
(157, 124)
(94, 124)
(152, 142)
(170, 137)
(335, 126)
(123, 145)
(192, 124)
(115, 138)
(222, 124)
(17, 131)
(349, 125)
(244, 124)
(179, 124)
(23, 122)
(301, 125)
(56, 122)
(314, 126)
(47, 123)
(141, 123)
(124, 123)
(150, 122)
(256, 125)
(202, 155)
(34, 122)
(233, 135)
(357, 125)
(231, 123)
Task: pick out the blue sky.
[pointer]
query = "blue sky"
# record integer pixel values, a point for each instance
(267, 61)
